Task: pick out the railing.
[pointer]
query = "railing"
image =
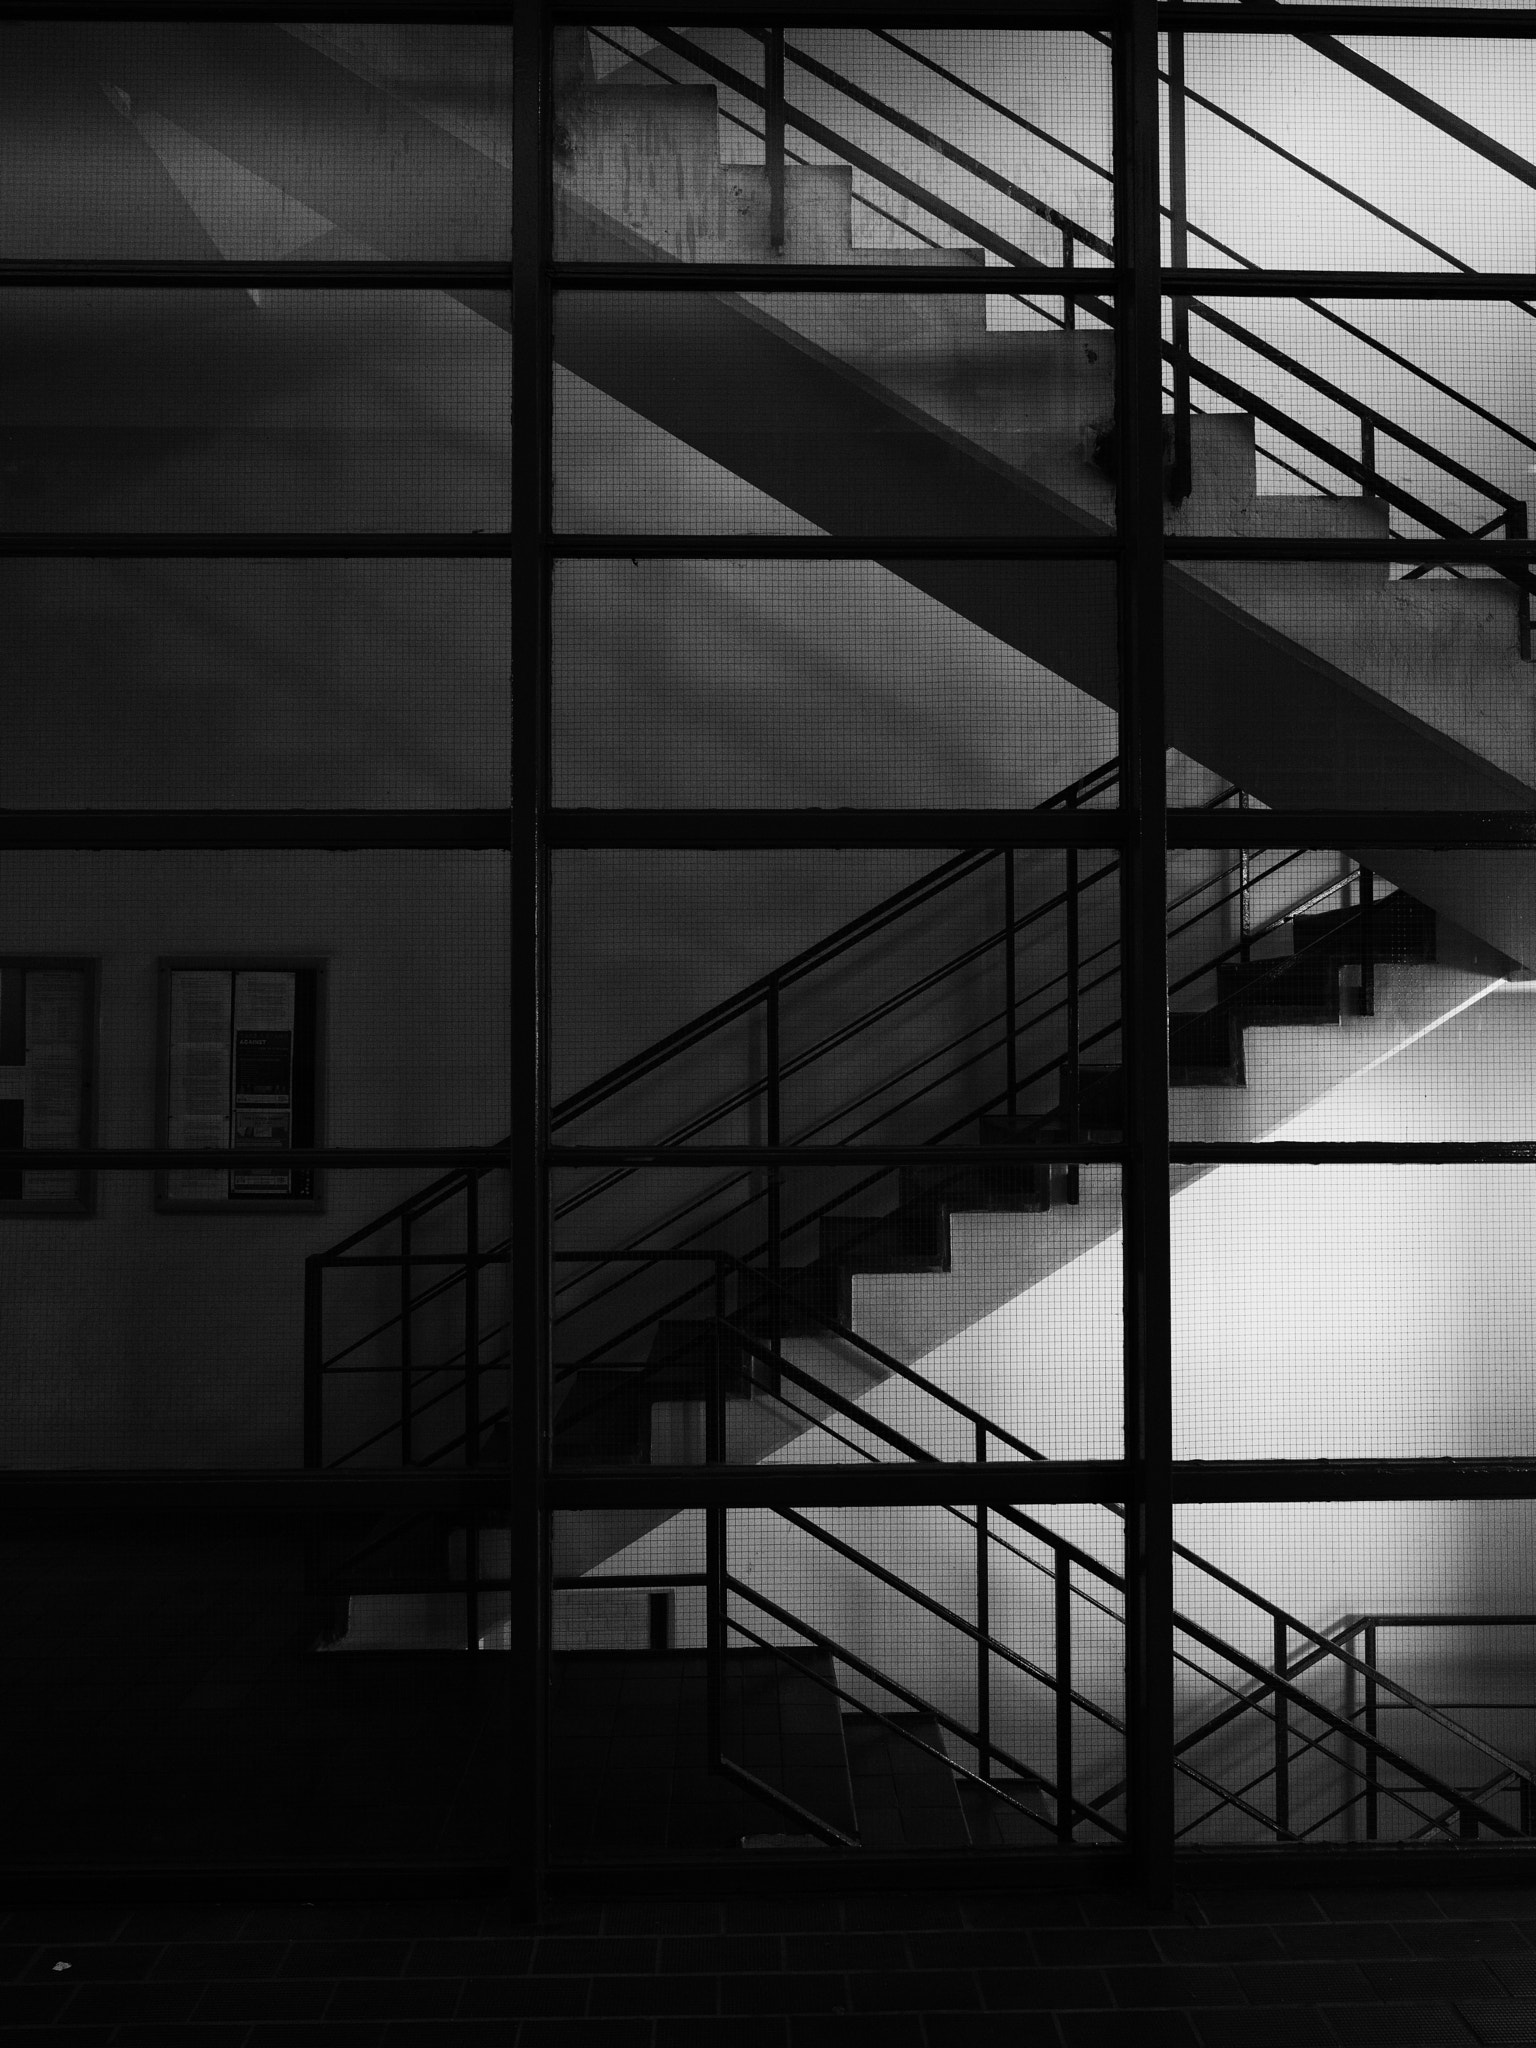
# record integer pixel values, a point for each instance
(445, 1392)
(1266, 1692)
(1510, 513)
(729, 1203)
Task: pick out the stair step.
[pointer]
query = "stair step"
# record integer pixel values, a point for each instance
(604, 1417)
(905, 1798)
(629, 1758)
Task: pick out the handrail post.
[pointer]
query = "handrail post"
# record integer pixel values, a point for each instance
(1068, 262)
(773, 134)
(405, 1337)
(471, 1319)
(1372, 1766)
(1368, 455)
(1367, 943)
(1010, 986)
(1282, 1733)
(1066, 1817)
(314, 1362)
(983, 1627)
(1516, 527)
(1181, 473)
(775, 1182)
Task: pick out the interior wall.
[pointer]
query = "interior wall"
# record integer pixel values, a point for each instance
(162, 1339)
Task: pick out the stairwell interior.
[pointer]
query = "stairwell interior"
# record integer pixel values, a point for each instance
(824, 1249)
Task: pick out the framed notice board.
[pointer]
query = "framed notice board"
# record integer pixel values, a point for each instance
(47, 1075)
(239, 1071)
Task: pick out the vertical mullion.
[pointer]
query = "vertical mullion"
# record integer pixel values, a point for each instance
(1148, 1412)
(529, 597)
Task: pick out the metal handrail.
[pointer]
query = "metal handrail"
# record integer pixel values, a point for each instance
(1273, 416)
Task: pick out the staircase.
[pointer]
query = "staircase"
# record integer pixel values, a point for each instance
(1405, 692)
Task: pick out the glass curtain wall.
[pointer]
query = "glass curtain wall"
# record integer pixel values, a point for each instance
(800, 749)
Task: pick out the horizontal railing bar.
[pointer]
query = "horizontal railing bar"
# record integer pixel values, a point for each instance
(297, 831)
(1430, 830)
(252, 545)
(745, 827)
(293, 274)
(834, 547)
(1001, 280)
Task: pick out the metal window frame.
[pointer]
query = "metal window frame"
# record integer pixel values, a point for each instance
(1149, 1479)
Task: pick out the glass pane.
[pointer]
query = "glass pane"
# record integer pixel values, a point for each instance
(1355, 419)
(937, 145)
(342, 684)
(835, 1316)
(1338, 110)
(927, 1715)
(883, 976)
(831, 683)
(1352, 1311)
(258, 142)
(1404, 1634)
(1330, 686)
(1311, 997)
(284, 410)
(788, 413)
(205, 1717)
(248, 1336)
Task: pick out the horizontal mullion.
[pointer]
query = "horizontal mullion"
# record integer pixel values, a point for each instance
(845, 14)
(833, 547)
(1356, 1152)
(255, 831)
(83, 1494)
(576, 1157)
(161, 1159)
(1347, 1479)
(1303, 20)
(767, 830)
(253, 546)
(941, 278)
(1348, 284)
(1231, 548)
(1429, 830)
(928, 1484)
(290, 274)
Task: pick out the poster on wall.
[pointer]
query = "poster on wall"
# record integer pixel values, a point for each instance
(262, 1088)
(197, 1099)
(240, 1077)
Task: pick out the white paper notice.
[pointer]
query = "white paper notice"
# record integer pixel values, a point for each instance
(197, 1104)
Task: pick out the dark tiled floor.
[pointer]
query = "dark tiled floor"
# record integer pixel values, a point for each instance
(1248, 1969)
